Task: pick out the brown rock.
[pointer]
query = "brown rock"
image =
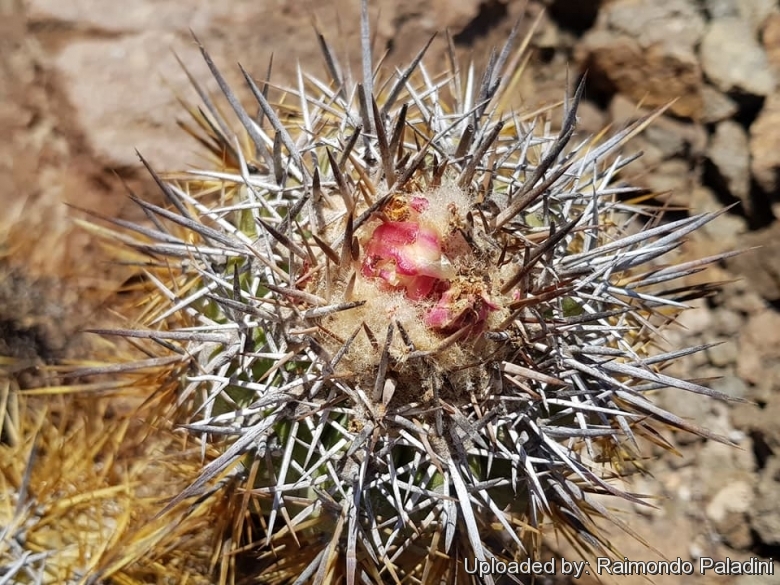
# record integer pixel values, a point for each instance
(761, 423)
(765, 145)
(761, 266)
(122, 110)
(117, 68)
(771, 41)
(116, 65)
(139, 16)
(654, 76)
(758, 362)
(631, 52)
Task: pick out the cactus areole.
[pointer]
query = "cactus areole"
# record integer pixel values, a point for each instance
(418, 325)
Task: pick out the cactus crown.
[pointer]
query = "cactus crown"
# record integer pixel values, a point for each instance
(417, 325)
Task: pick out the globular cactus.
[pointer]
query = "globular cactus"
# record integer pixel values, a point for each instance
(418, 328)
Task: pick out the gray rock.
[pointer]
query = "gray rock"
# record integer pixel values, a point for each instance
(733, 59)
(671, 180)
(764, 514)
(729, 153)
(139, 16)
(698, 319)
(740, 296)
(721, 8)
(717, 106)
(724, 354)
(114, 60)
(728, 513)
(734, 386)
(122, 78)
(726, 322)
(756, 12)
(676, 138)
(756, 579)
(650, 22)
(725, 229)
(119, 108)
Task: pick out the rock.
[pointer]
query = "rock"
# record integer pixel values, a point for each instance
(735, 531)
(696, 320)
(765, 516)
(729, 154)
(733, 60)
(721, 8)
(755, 579)
(756, 12)
(759, 355)
(650, 22)
(644, 485)
(686, 405)
(115, 65)
(725, 229)
(671, 180)
(734, 386)
(728, 512)
(765, 145)
(126, 110)
(761, 268)
(721, 465)
(716, 105)
(590, 119)
(118, 71)
(139, 16)
(740, 296)
(675, 138)
(723, 354)
(645, 50)
(726, 322)
(666, 146)
(771, 41)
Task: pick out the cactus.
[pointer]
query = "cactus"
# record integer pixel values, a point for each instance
(411, 329)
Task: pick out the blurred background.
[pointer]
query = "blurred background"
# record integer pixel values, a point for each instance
(86, 83)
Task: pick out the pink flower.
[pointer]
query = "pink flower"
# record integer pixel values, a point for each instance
(406, 255)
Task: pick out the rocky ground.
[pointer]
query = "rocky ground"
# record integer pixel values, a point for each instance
(84, 83)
